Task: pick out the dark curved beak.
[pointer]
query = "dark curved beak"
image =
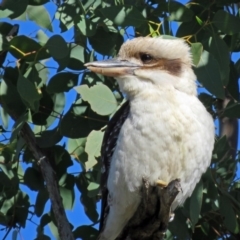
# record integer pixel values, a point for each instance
(112, 67)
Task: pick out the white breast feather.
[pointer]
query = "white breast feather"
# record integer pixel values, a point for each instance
(158, 141)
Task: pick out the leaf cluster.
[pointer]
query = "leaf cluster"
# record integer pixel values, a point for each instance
(29, 95)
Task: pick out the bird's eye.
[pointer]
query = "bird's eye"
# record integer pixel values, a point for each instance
(146, 58)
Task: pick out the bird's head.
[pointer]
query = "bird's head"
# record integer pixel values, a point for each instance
(145, 63)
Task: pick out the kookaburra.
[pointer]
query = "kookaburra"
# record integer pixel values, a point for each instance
(162, 132)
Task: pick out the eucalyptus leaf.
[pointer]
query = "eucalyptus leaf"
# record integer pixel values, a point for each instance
(196, 51)
(62, 82)
(86, 26)
(218, 48)
(33, 179)
(179, 12)
(13, 8)
(196, 203)
(57, 47)
(208, 73)
(106, 43)
(85, 233)
(228, 214)
(41, 201)
(28, 92)
(123, 15)
(226, 22)
(100, 98)
(68, 197)
(93, 147)
(18, 126)
(232, 110)
(40, 16)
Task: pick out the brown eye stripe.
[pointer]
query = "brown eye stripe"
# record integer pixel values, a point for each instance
(172, 66)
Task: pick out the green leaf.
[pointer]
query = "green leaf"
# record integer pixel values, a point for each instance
(5, 167)
(208, 73)
(100, 97)
(196, 203)
(13, 8)
(232, 110)
(21, 212)
(89, 204)
(74, 125)
(218, 48)
(64, 14)
(179, 12)
(85, 233)
(67, 197)
(49, 138)
(59, 104)
(40, 16)
(33, 179)
(62, 82)
(42, 37)
(178, 226)
(18, 126)
(45, 219)
(26, 48)
(226, 22)
(200, 22)
(76, 147)
(226, 210)
(78, 57)
(4, 45)
(86, 26)
(54, 230)
(41, 200)
(93, 189)
(190, 28)
(93, 147)
(57, 47)
(62, 158)
(232, 87)
(96, 121)
(123, 16)
(221, 147)
(106, 43)
(10, 98)
(4, 117)
(37, 2)
(28, 92)
(40, 116)
(237, 66)
(196, 51)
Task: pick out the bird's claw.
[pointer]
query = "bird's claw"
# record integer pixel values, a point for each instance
(161, 183)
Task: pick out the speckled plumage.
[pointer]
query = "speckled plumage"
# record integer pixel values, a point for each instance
(168, 133)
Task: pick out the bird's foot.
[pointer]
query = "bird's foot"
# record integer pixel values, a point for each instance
(161, 183)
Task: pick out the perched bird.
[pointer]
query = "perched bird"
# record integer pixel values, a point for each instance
(162, 132)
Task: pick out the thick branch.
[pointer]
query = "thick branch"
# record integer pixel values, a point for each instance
(63, 225)
(151, 219)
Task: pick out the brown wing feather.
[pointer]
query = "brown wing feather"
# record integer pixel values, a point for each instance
(108, 147)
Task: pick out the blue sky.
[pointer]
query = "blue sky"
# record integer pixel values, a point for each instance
(76, 216)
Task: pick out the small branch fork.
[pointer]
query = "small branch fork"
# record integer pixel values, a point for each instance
(152, 217)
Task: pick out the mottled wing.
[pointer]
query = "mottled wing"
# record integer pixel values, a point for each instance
(108, 147)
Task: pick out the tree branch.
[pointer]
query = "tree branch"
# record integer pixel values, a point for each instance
(63, 225)
(151, 219)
